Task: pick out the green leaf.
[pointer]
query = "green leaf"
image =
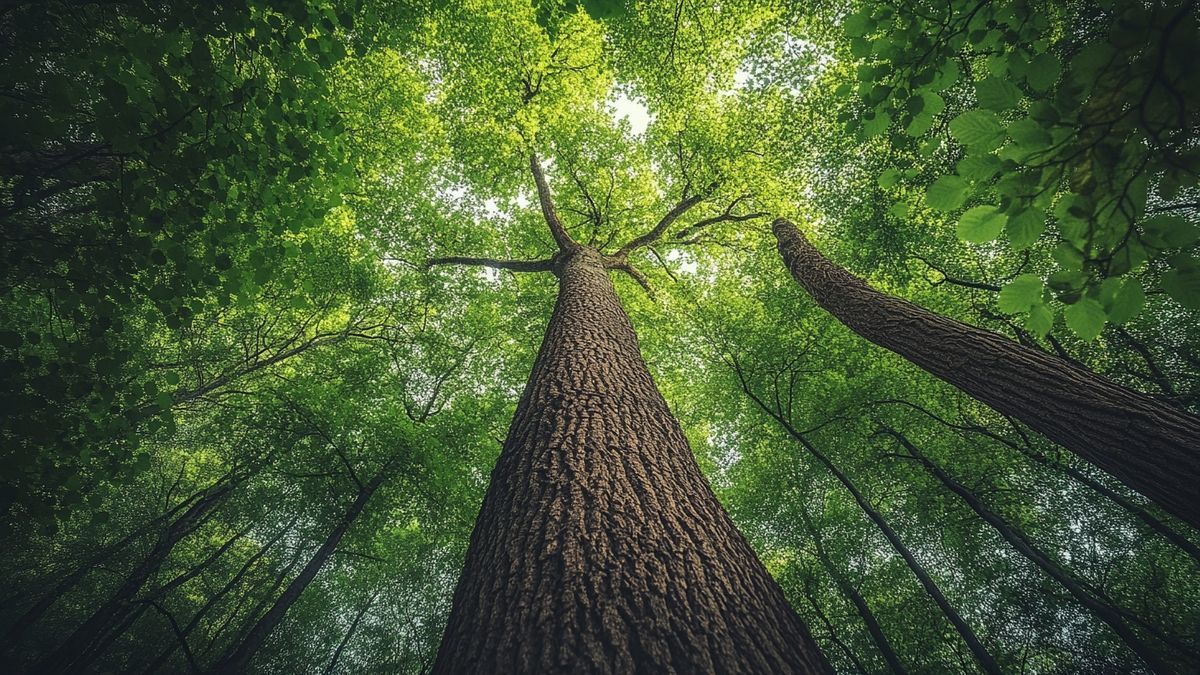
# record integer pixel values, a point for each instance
(888, 178)
(1122, 299)
(979, 129)
(1043, 72)
(946, 193)
(1086, 318)
(1039, 321)
(947, 75)
(1020, 294)
(981, 224)
(997, 93)
(1025, 227)
(1170, 231)
(877, 124)
(856, 25)
(1183, 284)
(979, 168)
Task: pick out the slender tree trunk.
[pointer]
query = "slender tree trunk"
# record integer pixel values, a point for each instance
(1018, 540)
(860, 603)
(16, 632)
(337, 653)
(830, 628)
(74, 652)
(1146, 444)
(211, 602)
(985, 659)
(238, 658)
(600, 547)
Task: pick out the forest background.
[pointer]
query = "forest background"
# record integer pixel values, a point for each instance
(244, 418)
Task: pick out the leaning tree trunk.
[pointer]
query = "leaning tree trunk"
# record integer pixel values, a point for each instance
(238, 658)
(1148, 445)
(600, 547)
(1020, 541)
(76, 650)
(860, 603)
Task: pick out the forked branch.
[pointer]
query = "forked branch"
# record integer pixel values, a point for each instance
(657, 232)
(726, 216)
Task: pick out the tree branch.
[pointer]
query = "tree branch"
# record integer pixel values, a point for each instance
(544, 265)
(656, 233)
(637, 276)
(564, 241)
(725, 216)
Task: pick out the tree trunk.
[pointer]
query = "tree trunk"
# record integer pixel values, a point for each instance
(982, 655)
(860, 603)
(1018, 540)
(77, 650)
(600, 547)
(341, 648)
(238, 658)
(17, 630)
(1146, 444)
(211, 601)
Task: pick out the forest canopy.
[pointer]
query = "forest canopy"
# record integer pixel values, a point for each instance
(607, 336)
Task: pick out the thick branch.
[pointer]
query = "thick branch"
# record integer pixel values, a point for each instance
(636, 274)
(544, 265)
(672, 215)
(564, 241)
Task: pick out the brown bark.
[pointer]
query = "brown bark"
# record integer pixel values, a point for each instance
(1146, 444)
(600, 547)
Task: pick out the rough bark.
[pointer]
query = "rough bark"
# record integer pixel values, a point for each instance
(1019, 541)
(1146, 444)
(238, 658)
(600, 547)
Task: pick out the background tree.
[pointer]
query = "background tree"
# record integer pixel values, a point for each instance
(214, 223)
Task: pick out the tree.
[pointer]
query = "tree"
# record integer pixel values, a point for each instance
(215, 222)
(597, 513)
(1149, 446)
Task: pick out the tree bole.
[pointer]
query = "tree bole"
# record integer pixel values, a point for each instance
(600, 547)
(1146, 444)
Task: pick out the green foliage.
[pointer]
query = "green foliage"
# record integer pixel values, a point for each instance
(216, 220)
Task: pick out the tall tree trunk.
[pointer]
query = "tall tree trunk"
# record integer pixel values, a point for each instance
(1018, 540)
(238, 658)
(78, 650)
(341, 648)
(860, 603)
(830, 628)
(211, 601)
(17, 630)
(1146, 444)
(982, 655)
(600, 547)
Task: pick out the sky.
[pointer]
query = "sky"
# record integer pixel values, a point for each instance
(634, 111)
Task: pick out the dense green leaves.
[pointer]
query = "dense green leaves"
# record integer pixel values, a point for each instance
(215, 224)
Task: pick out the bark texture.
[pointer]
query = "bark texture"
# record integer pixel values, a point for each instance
(1146, 444)
(600, 547)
